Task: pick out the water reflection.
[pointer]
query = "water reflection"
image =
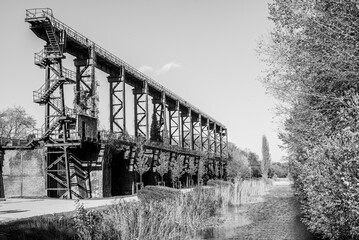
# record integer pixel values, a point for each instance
(232, 218)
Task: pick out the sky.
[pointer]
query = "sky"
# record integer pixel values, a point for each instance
(203, 50)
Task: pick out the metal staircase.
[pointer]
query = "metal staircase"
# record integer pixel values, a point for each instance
(54, 48)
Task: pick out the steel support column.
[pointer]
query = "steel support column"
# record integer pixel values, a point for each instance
(186, 126)
(165, 120)
(159, 109)
(196, 133)
(174, 125)
(85, 90)
(211, 137)
(224, 145)
(205, 135)
(118, 103)
(141, 111)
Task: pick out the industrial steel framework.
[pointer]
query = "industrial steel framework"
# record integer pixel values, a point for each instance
(67, 130)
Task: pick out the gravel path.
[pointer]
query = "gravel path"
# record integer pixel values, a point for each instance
(277, 217)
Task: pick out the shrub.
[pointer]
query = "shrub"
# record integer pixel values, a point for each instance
(327, 186)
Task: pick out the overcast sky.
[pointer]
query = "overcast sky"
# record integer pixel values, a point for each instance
(203, 50)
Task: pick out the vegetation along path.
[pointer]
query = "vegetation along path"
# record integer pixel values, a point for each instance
(276, 216)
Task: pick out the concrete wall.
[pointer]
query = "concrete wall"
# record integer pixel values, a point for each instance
(24, 173)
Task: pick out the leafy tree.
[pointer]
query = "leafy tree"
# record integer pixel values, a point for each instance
(313, 69)
(238, 164)
(155, 130)
(141, 165)
(176, 169)
(163, 166)
(254, 164)
(201, 169)
(266, 159)
(279, 169)
(16, 123)
(192, 168)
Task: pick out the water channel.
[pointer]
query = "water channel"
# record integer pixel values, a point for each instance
(275, 216)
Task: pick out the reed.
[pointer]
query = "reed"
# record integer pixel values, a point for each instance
(239, 192)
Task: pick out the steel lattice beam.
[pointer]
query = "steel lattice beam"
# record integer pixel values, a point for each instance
(196, 132)
(141, 111)
(175, 125)
(117, 103)
(85, 90)
(186, 126)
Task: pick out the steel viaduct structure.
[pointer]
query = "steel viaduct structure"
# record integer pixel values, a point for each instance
(70, 135)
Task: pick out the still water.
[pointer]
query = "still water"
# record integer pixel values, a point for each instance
(232, 218)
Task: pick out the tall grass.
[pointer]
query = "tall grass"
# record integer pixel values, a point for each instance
(239, 192)
(179, 216)
(162, 213)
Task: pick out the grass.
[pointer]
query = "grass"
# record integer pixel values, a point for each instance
(239, 192)
(161, 213)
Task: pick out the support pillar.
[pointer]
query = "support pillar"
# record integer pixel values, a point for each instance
(174, 125)
(205, 135)
(117, 102)
(159, 108)
(141, 111)
(196, 133)
(186, 126)
(85, 90)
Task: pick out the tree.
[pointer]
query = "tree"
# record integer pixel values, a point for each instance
(254, 164)
(192, 169)
(266, 159)
(201, 169)
(163, 160)
(238, 164)
(141, 165)
(313, 69)
(16, 123)
(176, 169)
(155, 131)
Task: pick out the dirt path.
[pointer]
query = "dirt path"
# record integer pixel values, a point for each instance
(277, 217)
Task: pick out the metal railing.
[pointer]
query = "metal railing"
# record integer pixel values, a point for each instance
(76, 36)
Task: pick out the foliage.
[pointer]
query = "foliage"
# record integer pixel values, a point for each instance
(163, 160)
(255, 165)
(176, 169)
(201, 169)
(85, 222)
(238, 192)
(180, 216)
(192, 168)
(141, 165)
(312, 68)
(266, 159)
(155, 130)
(278, 169)
(238, 163)
(16, 123)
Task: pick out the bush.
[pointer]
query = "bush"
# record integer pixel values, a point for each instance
(327, 186)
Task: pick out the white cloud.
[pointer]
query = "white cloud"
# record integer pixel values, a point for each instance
(167, 67)
(145, 69)
(163, 70)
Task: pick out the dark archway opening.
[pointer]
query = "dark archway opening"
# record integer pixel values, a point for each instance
(121, 177)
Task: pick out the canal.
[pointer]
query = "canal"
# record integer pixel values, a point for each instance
(275, 216)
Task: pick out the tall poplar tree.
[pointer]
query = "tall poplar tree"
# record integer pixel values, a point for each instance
(266, 159)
